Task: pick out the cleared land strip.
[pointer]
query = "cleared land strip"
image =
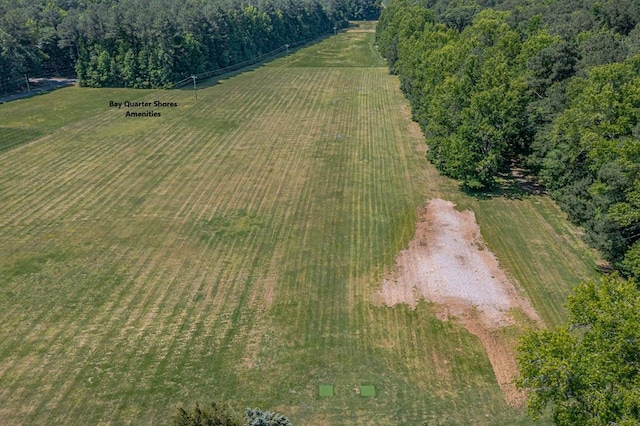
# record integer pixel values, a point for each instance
(230, 250)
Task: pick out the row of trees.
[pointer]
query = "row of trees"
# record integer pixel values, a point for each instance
(151, 43)
(468, 89)
(176, 40)
(551, 87)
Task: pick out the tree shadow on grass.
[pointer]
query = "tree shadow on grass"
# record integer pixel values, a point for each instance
(516, 184)
(13, 137)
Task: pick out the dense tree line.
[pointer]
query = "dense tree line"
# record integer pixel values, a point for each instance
(151, 43)
(361, 10)
(175, 40)
(552, 86)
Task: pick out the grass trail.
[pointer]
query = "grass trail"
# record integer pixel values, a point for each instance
(230, 249)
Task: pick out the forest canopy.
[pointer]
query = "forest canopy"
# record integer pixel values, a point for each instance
(152, 43)
(587, 370)
(551, 87)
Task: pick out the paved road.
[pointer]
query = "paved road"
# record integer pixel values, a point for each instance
(40, 85)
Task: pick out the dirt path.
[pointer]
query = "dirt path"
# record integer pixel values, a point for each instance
(448, 263)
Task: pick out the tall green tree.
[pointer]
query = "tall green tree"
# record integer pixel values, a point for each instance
(588, 370)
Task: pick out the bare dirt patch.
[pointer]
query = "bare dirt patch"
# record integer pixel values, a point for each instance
(448, 264)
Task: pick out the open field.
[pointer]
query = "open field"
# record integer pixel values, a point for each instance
(231, 248)
(26, 120)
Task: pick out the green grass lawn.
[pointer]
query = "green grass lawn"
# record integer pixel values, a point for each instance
(230, 250)
(25, 120)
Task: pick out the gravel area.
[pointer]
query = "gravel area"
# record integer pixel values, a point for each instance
(449, 264)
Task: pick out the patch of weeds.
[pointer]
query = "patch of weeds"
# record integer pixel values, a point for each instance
(229, 226)
(32, 264)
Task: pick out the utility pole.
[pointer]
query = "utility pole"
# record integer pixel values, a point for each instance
(195, 89)
(27, 80)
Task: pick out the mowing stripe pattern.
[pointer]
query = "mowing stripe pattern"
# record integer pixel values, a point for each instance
(228, 250)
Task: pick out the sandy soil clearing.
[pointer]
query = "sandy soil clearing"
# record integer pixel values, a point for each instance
(448, 264)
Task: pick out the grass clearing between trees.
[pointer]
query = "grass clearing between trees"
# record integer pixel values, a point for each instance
(230, 250)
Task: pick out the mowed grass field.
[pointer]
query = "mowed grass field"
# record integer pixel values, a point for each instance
(231, 249)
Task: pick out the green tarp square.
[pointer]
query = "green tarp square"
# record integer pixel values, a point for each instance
(325, 390)
(367, 390)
